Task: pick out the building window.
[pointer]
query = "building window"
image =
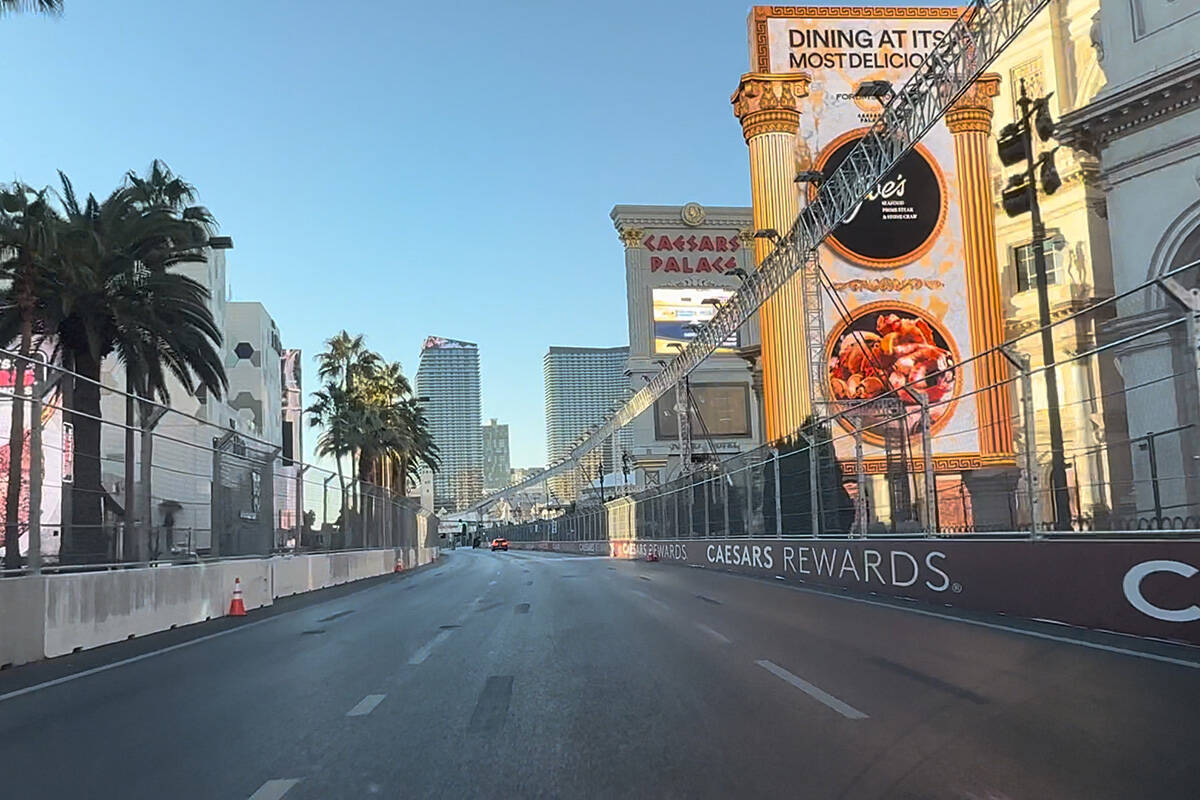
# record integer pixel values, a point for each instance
(1023, 261)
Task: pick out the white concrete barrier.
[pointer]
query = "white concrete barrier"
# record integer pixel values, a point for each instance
(22, 612)
(51, 615)
(87, 610)
(293, 575)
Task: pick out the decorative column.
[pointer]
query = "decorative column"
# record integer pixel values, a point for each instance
(970, 123)
(767, 105)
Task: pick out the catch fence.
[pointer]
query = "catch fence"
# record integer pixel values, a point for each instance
(1128, 378)
(111, 479)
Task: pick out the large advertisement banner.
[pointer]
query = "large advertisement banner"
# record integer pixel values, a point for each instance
(897, 260)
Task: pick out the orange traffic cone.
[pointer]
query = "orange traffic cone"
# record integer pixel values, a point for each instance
(237, 608)
(399, 566)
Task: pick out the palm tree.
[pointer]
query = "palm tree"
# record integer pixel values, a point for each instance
(115, 296)
(29, 228)
(39, 6)
(368, 413)
(347, 362)
(331, 411)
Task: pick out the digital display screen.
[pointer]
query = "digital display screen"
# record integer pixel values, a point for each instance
(718, 410)
(680, 313)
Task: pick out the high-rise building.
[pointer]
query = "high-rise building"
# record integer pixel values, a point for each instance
(448, 376)
(582, 386)
(495, 456)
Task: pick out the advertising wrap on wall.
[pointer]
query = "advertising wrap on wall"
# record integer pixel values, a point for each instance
(897, 260)
(1144, 588)
(57, 461)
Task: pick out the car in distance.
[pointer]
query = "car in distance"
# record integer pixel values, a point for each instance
(499, 544)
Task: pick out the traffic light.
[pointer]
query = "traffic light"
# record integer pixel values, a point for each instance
(1015, 197)
(1043, 123)
(1010, 145)
(1049, 174)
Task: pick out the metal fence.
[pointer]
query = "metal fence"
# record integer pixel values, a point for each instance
(109, 479)
(1128, 382)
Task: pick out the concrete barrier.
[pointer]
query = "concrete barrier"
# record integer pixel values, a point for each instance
(22, 610)
(293, 575)
(50, 615)
(87, 610)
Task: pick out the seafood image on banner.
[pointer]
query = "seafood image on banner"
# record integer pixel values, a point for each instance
(888, 348)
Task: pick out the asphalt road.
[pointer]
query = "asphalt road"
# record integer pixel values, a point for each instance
(538, 675)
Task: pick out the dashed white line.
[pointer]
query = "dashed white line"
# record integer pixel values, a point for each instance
(274, 789)
(846, 710)
(491, 583)
(720, 637)
(654, 600)
(366, 705)
(422, 654)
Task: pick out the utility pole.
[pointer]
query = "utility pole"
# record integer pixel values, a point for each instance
(1015, 144)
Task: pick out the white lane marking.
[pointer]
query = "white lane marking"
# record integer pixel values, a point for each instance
(491, 583)
(143, 656)
(134, 659)
(1108, 648)
(366, 705)
(720, 637)
(274, 789)
(422, 654)
(654, 600)
(846, 710)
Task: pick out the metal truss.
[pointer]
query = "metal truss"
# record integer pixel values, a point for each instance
(968, 47)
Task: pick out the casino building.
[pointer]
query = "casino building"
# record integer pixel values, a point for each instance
(677, 271)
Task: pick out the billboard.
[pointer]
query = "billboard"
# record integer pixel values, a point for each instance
(897, 259)
(679, 313)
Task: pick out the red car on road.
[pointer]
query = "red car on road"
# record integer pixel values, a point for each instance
(499, 544)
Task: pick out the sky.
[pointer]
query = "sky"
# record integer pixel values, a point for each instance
(398, 169)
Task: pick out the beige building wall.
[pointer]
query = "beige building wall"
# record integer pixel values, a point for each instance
(1055, 54)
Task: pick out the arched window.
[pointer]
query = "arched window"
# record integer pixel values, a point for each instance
(1188, 253)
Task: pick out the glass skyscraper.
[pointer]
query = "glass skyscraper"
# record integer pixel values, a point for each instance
(582, 385)
(448, 376)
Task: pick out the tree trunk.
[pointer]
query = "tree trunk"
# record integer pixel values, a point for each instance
(88, 539)
(132, 534)
(344, 512)
(67, 389)
(145, 511)
(354, 501)
(16, 450)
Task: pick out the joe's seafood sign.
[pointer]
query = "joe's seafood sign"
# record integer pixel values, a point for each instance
(897, 260)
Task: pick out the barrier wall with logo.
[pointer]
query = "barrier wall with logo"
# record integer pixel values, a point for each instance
(1144, 588)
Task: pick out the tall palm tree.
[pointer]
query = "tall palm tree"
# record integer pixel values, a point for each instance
(347, 362)
(39, 6)
(116, 296)
(29, 228)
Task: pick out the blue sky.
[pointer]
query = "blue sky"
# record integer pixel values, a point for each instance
(400, 169)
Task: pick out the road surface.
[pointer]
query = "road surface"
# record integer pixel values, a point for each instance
(526, 674)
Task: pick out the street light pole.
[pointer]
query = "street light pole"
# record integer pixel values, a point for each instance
(1058, 464)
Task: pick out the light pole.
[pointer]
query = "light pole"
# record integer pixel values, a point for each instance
(1015, 144)
(325, 501)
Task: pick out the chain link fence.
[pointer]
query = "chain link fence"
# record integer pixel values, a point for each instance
(110, 479)
(1128, 382)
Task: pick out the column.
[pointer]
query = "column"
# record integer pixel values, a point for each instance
(767, 105)
(970, 123)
